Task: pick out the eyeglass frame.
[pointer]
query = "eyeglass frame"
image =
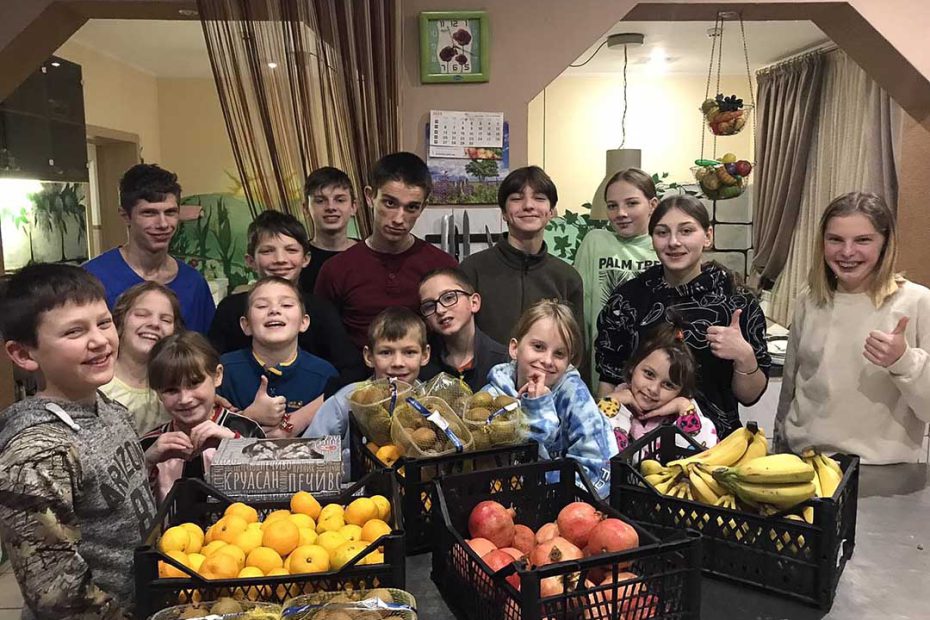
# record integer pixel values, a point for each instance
(438, 301)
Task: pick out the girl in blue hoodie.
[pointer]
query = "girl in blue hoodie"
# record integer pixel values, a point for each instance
(562, 415)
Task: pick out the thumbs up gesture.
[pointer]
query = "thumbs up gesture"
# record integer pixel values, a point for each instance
(883, 348)
(727, 342)
(265, 409)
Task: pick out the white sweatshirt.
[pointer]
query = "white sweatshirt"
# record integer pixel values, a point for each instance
(835, 400)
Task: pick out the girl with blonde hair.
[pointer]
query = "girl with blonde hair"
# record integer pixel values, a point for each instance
(857, 372)
(562, 415)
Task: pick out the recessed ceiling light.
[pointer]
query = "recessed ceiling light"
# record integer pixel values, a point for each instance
(56, 63)
(188, 13)
(272, 65)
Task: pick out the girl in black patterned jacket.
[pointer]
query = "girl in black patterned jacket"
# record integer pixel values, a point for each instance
(725, 326)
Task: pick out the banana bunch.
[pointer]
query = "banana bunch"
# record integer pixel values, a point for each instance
(692, 477)
(828, 474)
(779, 480)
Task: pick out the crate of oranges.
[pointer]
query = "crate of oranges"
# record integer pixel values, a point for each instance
(415, 475)
(205, 546)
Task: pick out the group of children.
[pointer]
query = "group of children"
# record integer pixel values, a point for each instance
(132, 401)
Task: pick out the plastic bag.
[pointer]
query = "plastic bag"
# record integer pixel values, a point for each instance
(221, 609)
(443, 433)
(494, 420)
(451, 389)
(363, 604)
(373, 403)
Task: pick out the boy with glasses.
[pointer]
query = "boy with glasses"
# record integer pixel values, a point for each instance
(448, 304)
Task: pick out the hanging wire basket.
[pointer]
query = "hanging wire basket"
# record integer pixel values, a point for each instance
(729, 122)
(725, 115)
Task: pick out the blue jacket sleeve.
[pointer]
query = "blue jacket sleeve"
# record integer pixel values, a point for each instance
(586, 434)
(542, 423)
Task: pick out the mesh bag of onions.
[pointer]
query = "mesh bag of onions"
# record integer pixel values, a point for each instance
(373, 403)
(428, 427)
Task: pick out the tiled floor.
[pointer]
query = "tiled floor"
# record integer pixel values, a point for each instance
(11, 601)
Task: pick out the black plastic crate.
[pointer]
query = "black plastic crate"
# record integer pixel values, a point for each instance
(193, 500)
(414, 477)
(669, 583)
(788, 557)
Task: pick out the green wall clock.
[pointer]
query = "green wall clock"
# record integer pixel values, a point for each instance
(454, 46)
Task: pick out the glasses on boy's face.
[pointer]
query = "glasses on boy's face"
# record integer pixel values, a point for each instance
(446, 300)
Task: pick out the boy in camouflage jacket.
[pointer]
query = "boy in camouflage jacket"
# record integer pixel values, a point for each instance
(74, 500)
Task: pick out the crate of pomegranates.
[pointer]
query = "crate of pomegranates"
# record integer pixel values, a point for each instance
(782, 522)
(533, 541)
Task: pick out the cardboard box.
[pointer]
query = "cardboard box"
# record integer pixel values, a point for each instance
(277, 468)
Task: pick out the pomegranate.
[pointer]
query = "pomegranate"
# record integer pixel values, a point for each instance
(516, 554)
(611, 536)
(624, 590)
(576, 521)
(641, 607)
(550, 586)
(481, 546)
(556, 550)
(497, 560)
(492, 521)
(546, 533)
(523, 538)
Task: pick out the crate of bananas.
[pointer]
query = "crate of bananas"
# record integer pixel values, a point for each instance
(780, 521)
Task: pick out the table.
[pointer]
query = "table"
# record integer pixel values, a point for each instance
(888, 576)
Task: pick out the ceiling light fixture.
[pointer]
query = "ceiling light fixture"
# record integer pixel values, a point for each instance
(188, 13)
(55, 63)
(619, 158)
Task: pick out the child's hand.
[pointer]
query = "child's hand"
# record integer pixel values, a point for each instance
(208, 434)
(883, 348)
(224, 403)
(677, 407)
(534, 387)
(267, 410)
(727, 343)
(172, 445)
(623, 395)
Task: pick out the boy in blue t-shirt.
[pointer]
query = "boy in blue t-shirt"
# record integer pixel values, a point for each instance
(275, 382)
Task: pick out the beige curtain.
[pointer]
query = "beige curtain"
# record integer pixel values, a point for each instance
(852, 149)
(789, 99)
(302, 84)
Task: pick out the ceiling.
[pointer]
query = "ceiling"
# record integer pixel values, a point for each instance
(176, 48)
(687, 46)
(163, 48)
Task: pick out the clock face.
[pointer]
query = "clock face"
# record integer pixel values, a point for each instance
(454, 46)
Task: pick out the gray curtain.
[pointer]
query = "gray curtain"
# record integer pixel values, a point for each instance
(789, 101)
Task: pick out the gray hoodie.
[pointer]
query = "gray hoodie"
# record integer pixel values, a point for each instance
(74, 503)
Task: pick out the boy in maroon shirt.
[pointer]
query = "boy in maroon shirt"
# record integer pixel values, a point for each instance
(385, 270)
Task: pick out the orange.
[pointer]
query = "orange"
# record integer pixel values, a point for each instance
(384, 506)
(388, 454)
(305, 504)
(249, 514)
(331, 540)
(308, 559)
(209, 534)
(351, 532)
(307, 536)
(196, 535)
(264, 559)
(344, 554)
(175, 538)
(375, 529)
(195, 560)
(375, 557)
(212, 547)
(331, 510)
(234, 552)
(302, 520)
(220, 566)
(248, 540)
(360, 511)
(250, 571)
(229, 527)
(282, 536)
(257, 526)
(332, 523)
(273, 516)
(167, 571)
